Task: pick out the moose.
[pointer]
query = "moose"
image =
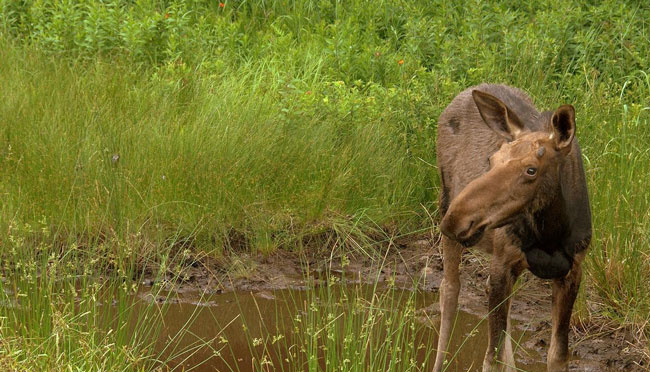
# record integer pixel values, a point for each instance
(512, 184)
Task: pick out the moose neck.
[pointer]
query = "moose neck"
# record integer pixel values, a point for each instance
(542, 236)
(544, 225)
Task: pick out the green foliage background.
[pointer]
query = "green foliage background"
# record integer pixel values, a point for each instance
(276, 120)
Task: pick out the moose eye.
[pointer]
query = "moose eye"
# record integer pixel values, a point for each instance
(531, 171)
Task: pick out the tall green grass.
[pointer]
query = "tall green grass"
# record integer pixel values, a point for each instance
(100, 149)
(130, 131)
(620, 161)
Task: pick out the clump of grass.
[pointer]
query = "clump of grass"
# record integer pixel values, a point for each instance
(69, 308)
(126, 125)
(55, 315)
(361, 333)
(337, 327)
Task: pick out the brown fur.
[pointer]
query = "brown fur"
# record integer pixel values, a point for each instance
(513, 184)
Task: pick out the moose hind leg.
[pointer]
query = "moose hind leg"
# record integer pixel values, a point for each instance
(449, 291)
(565, 291)
(503, 275)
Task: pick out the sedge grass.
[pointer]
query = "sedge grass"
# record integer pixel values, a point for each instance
(127, 126)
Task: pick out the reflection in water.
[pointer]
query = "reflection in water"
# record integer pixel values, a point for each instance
(235, 331)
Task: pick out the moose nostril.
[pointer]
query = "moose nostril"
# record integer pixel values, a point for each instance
(466, 231)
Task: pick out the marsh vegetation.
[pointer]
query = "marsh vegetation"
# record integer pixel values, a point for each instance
(140, 139)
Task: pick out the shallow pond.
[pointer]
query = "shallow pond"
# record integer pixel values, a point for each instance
(234, 331)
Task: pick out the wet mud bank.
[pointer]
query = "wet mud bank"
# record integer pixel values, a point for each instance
(414, 263)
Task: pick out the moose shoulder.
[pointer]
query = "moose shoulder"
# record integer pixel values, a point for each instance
(512, 183)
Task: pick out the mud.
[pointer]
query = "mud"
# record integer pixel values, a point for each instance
(594, 345)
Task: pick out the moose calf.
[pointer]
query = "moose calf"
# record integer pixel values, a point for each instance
(512, 183)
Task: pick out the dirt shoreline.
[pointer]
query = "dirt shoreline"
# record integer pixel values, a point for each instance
(595, 346)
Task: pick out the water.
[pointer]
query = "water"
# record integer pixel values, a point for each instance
(233, 331)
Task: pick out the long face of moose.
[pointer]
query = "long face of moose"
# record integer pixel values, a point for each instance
(523, 174)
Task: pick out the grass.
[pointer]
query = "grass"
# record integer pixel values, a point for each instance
(336, 327)
(135, 134)
(221, 154)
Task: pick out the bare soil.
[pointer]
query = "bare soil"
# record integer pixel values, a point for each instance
(595, 345)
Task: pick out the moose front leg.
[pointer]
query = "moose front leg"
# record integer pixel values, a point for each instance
(449, 291)
(565, 291)
(503, 275)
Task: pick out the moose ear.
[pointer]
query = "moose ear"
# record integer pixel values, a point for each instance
(497, 115)
(564, 127)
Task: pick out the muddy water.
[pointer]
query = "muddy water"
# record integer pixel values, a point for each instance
(222, 332)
